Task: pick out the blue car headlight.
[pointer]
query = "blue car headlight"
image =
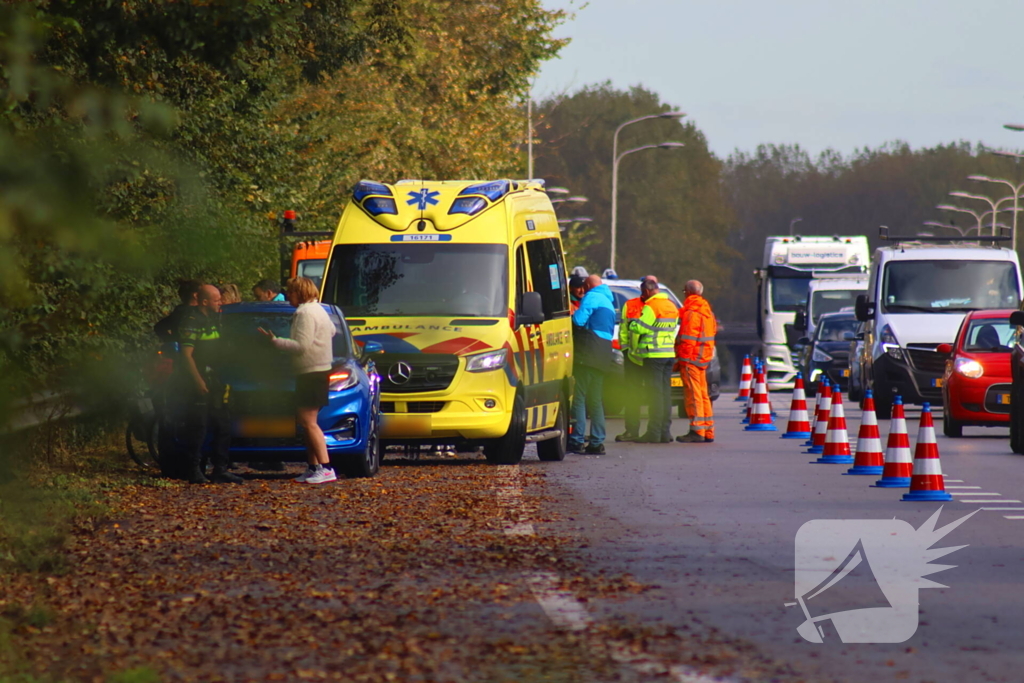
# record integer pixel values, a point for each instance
(341, 379)
(485, 362)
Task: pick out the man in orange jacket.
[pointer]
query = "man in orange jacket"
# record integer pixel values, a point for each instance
(632, 366)
(695, 346)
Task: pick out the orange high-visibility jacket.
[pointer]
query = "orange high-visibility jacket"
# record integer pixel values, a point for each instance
(631, 310)
(696, 341)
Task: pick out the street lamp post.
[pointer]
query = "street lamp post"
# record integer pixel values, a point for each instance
(1016, 189)
(978, 217)
(792, 223)
(995, 204)
(615, 186)
(615, 165)
(948, 226)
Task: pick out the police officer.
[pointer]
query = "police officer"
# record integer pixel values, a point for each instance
(204, 395)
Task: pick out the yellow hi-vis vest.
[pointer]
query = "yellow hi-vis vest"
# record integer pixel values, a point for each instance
(653, 334)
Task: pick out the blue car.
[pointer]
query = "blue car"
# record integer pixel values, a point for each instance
(262, 392)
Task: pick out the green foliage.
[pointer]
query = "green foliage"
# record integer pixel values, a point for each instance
(144, 141)
(673, 220)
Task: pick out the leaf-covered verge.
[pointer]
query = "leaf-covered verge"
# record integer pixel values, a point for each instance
(406, 577)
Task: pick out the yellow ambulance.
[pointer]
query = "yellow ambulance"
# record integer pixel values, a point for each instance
(463, 285)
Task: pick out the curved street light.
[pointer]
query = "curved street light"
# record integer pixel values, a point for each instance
(949, 226)
(1016, 189)
(615, 164)
(615, 189)
(994, 203)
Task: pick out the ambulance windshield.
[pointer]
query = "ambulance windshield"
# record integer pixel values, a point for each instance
(425, 279)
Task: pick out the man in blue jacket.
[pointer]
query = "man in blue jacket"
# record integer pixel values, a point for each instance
(592, 327)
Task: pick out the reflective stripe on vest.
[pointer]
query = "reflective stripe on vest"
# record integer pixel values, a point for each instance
(657, 339)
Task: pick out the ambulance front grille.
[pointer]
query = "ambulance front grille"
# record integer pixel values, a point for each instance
(403, 373)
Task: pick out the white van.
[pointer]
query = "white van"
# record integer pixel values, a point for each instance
(918, 294)
(828, 294)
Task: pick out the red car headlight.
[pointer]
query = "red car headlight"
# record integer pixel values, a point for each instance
(968, 367)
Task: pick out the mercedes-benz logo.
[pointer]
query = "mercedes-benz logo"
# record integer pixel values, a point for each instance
(400, 372)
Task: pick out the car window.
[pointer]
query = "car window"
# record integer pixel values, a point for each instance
(989, 335)
(834, 329)
(241, 329)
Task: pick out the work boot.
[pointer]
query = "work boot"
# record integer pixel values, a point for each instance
(222, 476)
(693, 437)
(650, 438)
(196, 476)
(594, 449)
(573, 447)
(626, 437)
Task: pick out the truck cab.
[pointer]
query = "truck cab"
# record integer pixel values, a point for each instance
(788, 266)
(918, 294)
(463, 284)
(828, 294)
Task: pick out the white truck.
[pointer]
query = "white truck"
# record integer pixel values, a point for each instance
(789, 264)
(918, 294)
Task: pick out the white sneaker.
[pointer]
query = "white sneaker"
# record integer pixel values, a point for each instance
(305, 475)
(322, 475)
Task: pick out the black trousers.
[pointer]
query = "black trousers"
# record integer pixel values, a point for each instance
(658, 378)
(206, 415)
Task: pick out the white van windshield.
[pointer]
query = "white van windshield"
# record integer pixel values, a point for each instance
(444, 279)
(947, 285)
(832, 301)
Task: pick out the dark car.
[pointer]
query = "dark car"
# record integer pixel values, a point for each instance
(828, 353)
(1017, 385)
(262, 392)
(623, 291)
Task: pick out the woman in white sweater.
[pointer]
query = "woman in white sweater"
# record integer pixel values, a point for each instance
(311, 344)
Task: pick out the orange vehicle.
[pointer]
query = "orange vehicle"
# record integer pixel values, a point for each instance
(309, 259)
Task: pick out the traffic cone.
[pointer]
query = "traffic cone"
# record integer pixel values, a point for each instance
(821, 421)
(746, 379)
(750, 397)
(898, 463)
(760, 414)
(822, 384)
(837, 441)
(798, 427)
(926, 481)
(869, 457)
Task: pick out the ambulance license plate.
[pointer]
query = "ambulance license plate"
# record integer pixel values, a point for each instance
(937, 382)
(1004, 399)
(676, 381)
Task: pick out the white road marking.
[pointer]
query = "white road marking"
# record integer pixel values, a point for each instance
(953, 481)
(1002, 508)
(973, 493)
(1014, 516)
(987, 500)
(562, 607)
(963, 487)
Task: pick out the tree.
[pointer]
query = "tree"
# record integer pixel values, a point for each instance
(673, 219)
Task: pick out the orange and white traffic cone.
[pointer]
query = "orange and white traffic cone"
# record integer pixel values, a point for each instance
(869, 458)
(746, 379)
(837, 440)
(898, 462)
(750, 398)
(760, 414)
(821, 420)
(798, 427)
(817, 408)
(926, 481)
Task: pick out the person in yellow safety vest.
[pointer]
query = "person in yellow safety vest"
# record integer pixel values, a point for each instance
(651, 338)
(695, 347)
(632, 367)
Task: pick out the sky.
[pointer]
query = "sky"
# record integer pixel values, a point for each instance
(822, 73)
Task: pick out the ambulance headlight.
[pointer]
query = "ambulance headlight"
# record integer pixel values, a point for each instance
(485, 362)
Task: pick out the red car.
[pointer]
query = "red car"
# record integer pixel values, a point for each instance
(976, 386)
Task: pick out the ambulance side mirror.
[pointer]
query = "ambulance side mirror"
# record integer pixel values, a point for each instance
(531, 309)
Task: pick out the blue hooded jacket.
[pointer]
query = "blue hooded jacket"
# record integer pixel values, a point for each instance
(592, 326)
